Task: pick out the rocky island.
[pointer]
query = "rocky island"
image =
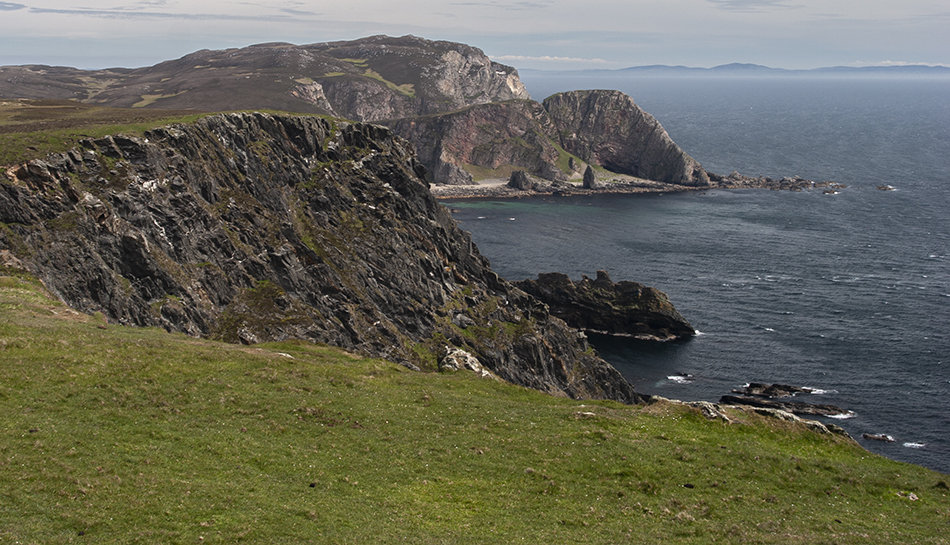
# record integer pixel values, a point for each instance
(624, 308)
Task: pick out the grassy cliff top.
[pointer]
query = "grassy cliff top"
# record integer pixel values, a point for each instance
(128, 435)
(32, 129)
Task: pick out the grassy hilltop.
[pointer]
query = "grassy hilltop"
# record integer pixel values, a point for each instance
(128, 435)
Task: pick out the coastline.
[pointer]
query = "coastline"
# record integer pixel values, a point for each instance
(620, 184)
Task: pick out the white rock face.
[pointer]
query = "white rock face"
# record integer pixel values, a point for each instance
(456, 359)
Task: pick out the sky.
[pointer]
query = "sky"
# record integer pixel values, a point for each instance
(539, 34)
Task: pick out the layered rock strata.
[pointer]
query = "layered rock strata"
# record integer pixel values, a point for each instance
(250, 228)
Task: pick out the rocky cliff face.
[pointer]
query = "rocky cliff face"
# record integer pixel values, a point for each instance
(604, 128)
(607, 128)
(495, 137)
(248, 228)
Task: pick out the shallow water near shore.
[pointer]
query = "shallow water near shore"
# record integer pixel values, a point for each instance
(846, 293)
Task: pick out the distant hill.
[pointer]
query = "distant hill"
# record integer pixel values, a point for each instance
(369, 79)
(756, 70)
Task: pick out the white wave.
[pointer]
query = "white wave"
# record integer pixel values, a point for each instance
(482, 217)
(819, 391)
(769, 329)
(843, 416)
(699, 333)
(681, 379)
(915, 445)
(511, 219)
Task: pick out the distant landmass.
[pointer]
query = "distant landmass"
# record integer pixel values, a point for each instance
(745, 69)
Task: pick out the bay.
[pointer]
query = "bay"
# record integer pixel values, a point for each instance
(847, 293)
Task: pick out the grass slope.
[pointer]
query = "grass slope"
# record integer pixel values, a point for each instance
(111, 434)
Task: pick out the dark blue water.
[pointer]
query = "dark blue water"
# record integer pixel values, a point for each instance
(846, 293)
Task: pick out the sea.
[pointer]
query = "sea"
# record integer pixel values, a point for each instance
(844, 292)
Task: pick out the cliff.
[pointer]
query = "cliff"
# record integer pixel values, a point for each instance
(251, 228)
(603, 128)
(607, 128)
(468, 117)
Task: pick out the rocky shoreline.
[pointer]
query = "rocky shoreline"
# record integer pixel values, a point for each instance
(612, 183)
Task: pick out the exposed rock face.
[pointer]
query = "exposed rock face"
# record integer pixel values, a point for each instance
(602, 306)
(600, 127)
(248, 227)
(514, 135)
(609, 129)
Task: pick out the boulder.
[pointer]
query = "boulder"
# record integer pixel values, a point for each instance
(771, 390)
(519, 180)
(456, 359)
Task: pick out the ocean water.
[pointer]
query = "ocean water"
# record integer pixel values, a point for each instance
(847, 293)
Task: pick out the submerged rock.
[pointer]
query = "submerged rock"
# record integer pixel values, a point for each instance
(771, 390)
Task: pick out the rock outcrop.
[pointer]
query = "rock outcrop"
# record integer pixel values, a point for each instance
(520, 181)
(771, 391)
(607, 128)
(602, 306)
(794, 407)
(251, 227)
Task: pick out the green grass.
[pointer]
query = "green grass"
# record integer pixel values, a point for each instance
(480, 173)
(124, 435)
(32, 129)
(407, 89)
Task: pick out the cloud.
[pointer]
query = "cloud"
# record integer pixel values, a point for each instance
(751, 6)
(510, 6)
(7, 6)
(522, 58)
(125, 13)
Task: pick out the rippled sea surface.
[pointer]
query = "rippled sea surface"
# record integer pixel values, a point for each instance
(847, 293)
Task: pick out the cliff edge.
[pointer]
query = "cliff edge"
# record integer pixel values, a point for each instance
(252, 227)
